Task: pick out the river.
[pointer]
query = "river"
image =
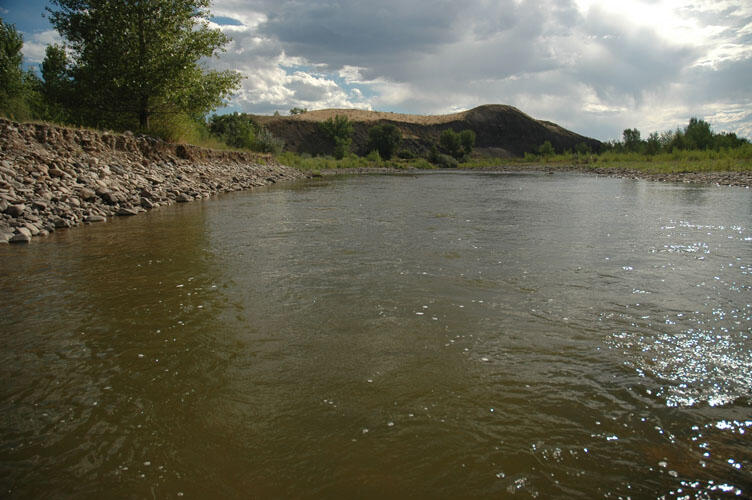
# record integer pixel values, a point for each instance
(441, 335)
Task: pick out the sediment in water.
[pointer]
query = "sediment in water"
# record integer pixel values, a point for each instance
(55, 177)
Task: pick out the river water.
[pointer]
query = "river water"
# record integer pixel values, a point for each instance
(443, 335)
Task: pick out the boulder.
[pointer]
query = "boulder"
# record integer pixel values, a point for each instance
(15, 210)
(127, 211)
(95, 218)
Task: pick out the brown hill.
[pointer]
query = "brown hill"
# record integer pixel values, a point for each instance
(500, 130)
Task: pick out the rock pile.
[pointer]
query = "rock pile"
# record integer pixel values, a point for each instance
(55, 177)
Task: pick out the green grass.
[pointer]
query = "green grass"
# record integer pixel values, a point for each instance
(731, 160)
(318, 163)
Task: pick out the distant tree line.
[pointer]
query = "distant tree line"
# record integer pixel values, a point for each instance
(697, 135)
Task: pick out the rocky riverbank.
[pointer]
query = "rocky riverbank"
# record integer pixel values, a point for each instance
(718, 177)
(54, 177)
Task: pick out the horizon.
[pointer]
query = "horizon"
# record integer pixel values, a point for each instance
(588, 66)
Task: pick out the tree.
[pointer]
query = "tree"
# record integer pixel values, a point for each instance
(467, 139)
(298, 111)
(57, 86)
(653, 144)
(546, 149)
(235, 130)
(698, 134)
(384, 139)
(134, 59)
(632, 139)
(11, 75)
(450, 141)
(338, 131)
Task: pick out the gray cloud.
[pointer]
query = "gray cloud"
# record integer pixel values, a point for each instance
(595, 70)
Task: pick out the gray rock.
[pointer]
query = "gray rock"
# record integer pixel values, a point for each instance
(61, 223)
(20, 238)
(87, 194)
(33, 229)
(146, 203)
(127, 211)
(39, 205)
(110, 198)
(15, 210)
(5, 237)
(96, 218)
(183, 198)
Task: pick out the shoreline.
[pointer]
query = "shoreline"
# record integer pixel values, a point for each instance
(730, 178)
(53, 177)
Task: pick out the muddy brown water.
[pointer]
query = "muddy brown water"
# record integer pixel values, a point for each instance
(445, 335)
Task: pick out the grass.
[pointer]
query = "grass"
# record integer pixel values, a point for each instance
(731, 160)
(318, 163)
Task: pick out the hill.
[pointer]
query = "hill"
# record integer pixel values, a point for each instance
(500, 130)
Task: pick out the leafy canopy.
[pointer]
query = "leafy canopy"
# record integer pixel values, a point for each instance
(384, 138)
(338, 131)
(134, 59)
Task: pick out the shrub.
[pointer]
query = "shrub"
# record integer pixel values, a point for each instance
(546, 149)
(451, 142)
(236, 130)
(384, 139)
(338, 131)
(446, 161)
(467, 138)
(267, 143)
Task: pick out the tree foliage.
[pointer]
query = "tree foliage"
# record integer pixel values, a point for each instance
(135, 59)
(338, 132)
(20, 96)
(239, 130)
(450, 141)
(467, 139)
(11, 75)
(385, 139)
(546, 149)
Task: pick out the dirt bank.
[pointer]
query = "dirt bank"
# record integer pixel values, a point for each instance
(55, 177)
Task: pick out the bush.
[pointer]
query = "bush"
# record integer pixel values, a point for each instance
(338, 132)
(467, 138)
(384, 139)
(236, 130)
(450, 141)
(268, 143)
(546, 149)
(446, 161)
(374, 156)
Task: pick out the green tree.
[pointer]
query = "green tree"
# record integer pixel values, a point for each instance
(11, 75)
(135, 59)
(632, 139)
(385, 139)
(338, 131)
(467, 139)
(451, 142)
(298, 111)
(235, 130)
(698, 134)
(546, 149)
(57, 86)
(653, 144)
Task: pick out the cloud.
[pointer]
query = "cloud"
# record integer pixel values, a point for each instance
(36, 43)
(591, 66)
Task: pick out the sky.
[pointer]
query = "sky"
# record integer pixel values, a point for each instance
(594, 67)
